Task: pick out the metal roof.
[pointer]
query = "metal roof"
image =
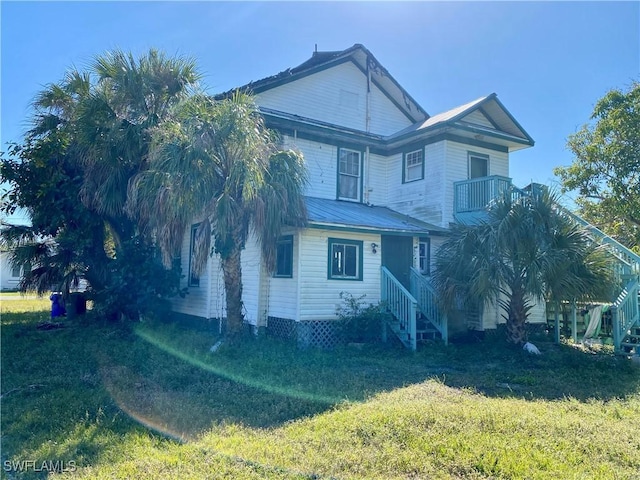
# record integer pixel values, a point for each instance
(491, 106)
(359, 216)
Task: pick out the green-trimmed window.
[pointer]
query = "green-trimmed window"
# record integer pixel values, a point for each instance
(194, 280)
(478, 165)
(284, 257)
(345, 259)
(413, 166)
(424, 255)
(349, 174)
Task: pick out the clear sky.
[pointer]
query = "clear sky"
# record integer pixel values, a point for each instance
(549, 62)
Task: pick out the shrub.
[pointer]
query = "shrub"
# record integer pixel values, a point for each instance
(359, 321)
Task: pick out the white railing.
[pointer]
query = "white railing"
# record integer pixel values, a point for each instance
(426, 297)
(401, 304)
(630, 260)
(625, 312)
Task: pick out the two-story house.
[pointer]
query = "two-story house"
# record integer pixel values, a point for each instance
(386, 181)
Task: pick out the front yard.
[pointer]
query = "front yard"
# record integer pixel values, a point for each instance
(98, 400)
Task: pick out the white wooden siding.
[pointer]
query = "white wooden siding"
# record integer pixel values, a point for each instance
(538, 314)
(321, 160)
(251, 262)
(196, 301)
(319, 296)
(478, 118)
(376, 181)
(282, 296)
(336, 95)
(422, 199)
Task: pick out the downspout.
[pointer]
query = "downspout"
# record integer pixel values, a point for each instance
(367, 118)
(367, 187)
(367, 122)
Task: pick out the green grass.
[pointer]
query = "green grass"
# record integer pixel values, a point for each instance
(151, 401)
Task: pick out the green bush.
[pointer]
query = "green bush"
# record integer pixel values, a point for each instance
(358, 321)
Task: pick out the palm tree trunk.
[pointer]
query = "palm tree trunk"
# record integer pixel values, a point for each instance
(232, 271)
(517, 318)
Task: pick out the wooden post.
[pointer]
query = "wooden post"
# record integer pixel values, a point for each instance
(574, 322)
(615, 320)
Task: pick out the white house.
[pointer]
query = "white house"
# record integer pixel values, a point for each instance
(387, 180)
(9, 275)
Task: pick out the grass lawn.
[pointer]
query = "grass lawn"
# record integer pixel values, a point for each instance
(98, 400)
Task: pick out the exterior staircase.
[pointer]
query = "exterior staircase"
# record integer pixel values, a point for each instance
(415, 316)
(471, 199)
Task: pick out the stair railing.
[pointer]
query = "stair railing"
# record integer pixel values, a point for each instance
(629, 259)
(400, 303)
(426, 296)
(625, 312)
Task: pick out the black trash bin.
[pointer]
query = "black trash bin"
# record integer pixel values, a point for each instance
(76, 305)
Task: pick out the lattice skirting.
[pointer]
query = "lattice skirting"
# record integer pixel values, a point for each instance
(314, 333)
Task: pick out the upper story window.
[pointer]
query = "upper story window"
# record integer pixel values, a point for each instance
(284, 257)
(349, 174)
(413, 166)
(345, 259)
(478, 165)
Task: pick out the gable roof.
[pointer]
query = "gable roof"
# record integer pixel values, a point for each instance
(505, 126)
(361, 58)
(325, 213)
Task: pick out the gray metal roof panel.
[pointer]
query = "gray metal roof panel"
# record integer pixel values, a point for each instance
(358, 215)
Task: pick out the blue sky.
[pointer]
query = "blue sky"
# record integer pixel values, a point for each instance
(549, 62)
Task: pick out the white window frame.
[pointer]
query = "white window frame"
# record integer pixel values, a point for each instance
(419, 167)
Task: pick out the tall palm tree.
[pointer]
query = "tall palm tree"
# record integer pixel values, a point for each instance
(216, 160)
(114, 121)
(90, 136)
(526, 250)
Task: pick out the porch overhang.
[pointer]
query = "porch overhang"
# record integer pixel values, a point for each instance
(358, 217)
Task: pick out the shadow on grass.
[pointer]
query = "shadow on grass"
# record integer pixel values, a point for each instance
(68, 393)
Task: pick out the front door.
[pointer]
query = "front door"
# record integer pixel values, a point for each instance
(397, 256)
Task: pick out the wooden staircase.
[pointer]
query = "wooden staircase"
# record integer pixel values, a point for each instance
(415, 316)
(625, 311)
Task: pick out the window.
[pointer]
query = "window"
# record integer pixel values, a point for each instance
(349, 174)
(194, 280)
(478, 165)
(413, 166)
(424, 256)
(345, 259)
(16, 271)
(284, 257)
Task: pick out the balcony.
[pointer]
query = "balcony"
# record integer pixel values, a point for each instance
(471, 197)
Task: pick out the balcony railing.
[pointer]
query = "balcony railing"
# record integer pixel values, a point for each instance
(470, 196)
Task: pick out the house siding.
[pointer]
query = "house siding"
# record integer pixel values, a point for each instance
(282, 293)
(251, 264)
(422, 199)
(321, 295)
(478, 118)
(321, 161)
(337, 95)
(196, 302)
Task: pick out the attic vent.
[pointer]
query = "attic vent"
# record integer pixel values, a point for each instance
(348, 99)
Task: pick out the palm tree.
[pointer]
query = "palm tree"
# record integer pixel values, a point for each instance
(114, 123)
(527, 250)
(90, 135)
(216, 160)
